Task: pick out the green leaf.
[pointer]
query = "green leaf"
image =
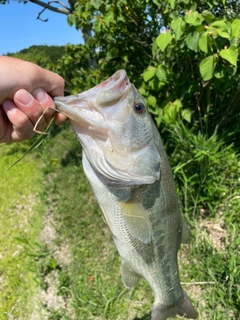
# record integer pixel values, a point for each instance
(230, 55)
(207, 66)
(149, 73)
(121, 17)
(172, 3)
(157, 3)
(235, 42)
(193, 6)
(71, 19)
(161, 73)
(97, 3)
(152, 101)
(97, 24)
(219, 24)
(236, 28)
(208, 16)
(219, 74)
(171, 111)
(190, 17)
(154, 49)
(142, 91)
(108, 18)
(163, 40)
(192, 40)
(177, 25)
(193, 18)
(177, 104)
(222, 33)
(186, 114)
(203, 42)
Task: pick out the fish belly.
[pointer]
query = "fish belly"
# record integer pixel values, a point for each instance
(155, 261)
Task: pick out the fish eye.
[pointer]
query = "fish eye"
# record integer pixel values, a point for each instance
(139, 108)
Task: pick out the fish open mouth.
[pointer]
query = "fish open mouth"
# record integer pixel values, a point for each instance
(104, 121)
(118, 80)
(91, 108)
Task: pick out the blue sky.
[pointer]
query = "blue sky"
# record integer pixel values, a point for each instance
(20, 29)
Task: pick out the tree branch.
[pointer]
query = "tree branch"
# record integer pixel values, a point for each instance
(64, 10)
(39, 15)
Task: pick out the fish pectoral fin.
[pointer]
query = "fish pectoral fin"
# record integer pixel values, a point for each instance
(136, 220)
(186, 235)
(129, 277)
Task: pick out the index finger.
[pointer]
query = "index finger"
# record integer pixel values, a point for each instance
(17, 74)
(52, 83)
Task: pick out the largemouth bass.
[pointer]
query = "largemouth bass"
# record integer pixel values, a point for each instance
(126, 164)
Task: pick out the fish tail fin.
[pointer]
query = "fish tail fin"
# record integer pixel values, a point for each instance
(182, 307)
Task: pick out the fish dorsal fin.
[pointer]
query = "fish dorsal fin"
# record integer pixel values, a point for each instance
(136, 220)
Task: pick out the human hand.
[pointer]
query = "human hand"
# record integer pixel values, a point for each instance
(25, 92)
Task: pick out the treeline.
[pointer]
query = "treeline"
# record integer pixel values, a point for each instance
(43, 55)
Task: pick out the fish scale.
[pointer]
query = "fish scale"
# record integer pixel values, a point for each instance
(126, 164)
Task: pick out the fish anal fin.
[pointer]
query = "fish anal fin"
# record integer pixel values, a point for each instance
(136, 220)
(129, 277)
(182, 307)
(186, 235)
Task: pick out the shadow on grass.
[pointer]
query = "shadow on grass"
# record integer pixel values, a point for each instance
(145, 317)
(73, 156)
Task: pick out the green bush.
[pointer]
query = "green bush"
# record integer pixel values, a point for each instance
(182, 56)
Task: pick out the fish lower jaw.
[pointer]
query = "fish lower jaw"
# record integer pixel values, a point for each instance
(89, 117)
(90, 122)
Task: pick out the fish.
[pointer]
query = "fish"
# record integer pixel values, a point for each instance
(126, 164)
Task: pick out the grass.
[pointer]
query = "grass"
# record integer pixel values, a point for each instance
(208, 267)
(95, 290)
(77, 262)
(19, 220)
(207, 174)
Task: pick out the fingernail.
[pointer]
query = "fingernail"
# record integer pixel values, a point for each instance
(23, 96)
(9, 106)
(40, 95)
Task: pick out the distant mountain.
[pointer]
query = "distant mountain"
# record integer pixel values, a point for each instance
(41, 55)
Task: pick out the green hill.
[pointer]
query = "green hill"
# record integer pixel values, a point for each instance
(42, 55)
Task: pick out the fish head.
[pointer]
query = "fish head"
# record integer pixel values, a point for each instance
(116, 131)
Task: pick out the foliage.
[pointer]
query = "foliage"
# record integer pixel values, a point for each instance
(194, 70)
(181, 55)
(187, 55)
(74, 68)
(205, 170)
(186, 51)
(41, 55)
